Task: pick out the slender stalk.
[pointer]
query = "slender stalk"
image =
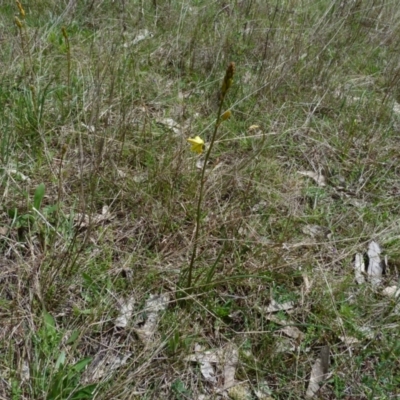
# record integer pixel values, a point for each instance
(65, 35)
(228, 79)
(59, 190)
(19, 24)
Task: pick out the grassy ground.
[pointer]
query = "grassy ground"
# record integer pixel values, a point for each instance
(98, 115)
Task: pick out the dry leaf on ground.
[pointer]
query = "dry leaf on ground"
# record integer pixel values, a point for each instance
(359, 268)
(275, 306)
(83, 220)
(318, 372)
(284, 345)
(171, 124)
(394, 292)
(200, 163)
(125, 313)
(288, 329)
(200, 355)
(315, 231)
(357, 203)
(307, 284)
(349, 340)
(90, 128)
(206, 359)
(391, 291)
(212, 165)
(154, 305)
(225, 360)
(262, 205)
(375, 268)
(208, 372)
(140, 177)
(103, 365)
(367, 332)
(292, 332)
(231, 357)
(396, 107)
(141, 35)
(317, 177)
(25, 372)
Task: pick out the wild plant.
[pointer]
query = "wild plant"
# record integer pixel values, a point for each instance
(198, 147)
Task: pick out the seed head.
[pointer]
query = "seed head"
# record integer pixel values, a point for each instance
(18, 22)
(226, 115)
(228, 79)
(21, 9)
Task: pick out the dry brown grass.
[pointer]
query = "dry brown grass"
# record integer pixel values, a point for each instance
(320, 80)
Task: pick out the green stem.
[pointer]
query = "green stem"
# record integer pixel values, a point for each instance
(201, 192)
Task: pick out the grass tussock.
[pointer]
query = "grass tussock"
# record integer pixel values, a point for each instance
(123, 254)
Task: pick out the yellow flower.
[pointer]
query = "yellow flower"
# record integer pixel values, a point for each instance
(197, 144)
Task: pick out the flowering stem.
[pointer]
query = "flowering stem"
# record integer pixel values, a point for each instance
(228, 79)
(68, 48)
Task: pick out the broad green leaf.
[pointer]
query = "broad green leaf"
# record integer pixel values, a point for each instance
(80, 365)
(60, 360)
(13, 212)
(48, 320)
(85, 392)
(73, 337)
(38, 196)
(88, 279)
